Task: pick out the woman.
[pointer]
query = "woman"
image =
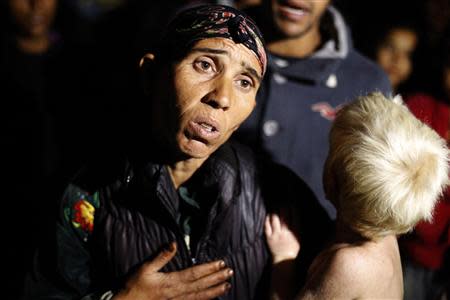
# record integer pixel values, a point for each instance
(184, 189)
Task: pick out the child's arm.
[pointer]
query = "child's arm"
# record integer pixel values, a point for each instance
(284, 246)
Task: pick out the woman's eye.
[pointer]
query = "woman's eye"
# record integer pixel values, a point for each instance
(245, 83)
(203, 65)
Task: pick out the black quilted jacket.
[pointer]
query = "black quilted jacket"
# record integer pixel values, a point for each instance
(136, 209)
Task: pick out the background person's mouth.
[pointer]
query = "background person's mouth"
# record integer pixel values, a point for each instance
(293, 10)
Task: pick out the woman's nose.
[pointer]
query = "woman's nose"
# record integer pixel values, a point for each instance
(221, 95)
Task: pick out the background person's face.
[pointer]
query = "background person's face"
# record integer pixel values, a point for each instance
(33, 17)
(295, 18)
(394, 55)
(214, 91)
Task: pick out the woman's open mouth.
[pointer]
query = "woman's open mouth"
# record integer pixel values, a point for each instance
(203, 130)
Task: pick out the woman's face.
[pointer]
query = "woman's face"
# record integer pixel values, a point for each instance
(212, 91)
(394, 55)
(33, 17)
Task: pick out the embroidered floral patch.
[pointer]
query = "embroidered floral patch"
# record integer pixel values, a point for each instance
(84, 215)
(80, 210)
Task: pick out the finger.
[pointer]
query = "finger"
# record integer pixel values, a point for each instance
(283, 222)
(276, 225)
(162, 258)
(199, 271)
(186, 285)
(210, 293)
(267, 227)
(210, 280)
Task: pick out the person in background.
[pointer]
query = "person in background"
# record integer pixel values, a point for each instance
(313, 70)
(425, 251)
(384, 172)
(38, 36)
(394, 51)
(34, 78)
(176, 183)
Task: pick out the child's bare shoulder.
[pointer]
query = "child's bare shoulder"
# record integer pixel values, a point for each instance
(338, 272)
(349, 261)
(361, 266)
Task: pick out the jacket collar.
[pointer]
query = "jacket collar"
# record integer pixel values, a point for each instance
(218, 175)
(339, 48)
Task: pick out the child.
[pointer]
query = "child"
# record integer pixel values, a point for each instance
(384, 172)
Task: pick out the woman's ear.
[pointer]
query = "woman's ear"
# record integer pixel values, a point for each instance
(145, 64)
(146, 59)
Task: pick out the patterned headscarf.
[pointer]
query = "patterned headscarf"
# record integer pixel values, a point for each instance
(209, 21)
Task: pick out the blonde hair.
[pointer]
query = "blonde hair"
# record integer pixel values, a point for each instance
(385, 169)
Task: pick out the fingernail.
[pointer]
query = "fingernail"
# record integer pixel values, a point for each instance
(227, 286)
(230, 272)
(222, 264)
(170, 247)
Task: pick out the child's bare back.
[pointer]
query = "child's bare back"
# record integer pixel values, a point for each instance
(370, 269)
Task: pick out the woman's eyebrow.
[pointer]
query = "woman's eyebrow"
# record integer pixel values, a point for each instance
(211, 50)
(247, 67)
(252, 71)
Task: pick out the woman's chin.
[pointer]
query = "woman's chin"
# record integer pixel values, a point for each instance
(196, 149)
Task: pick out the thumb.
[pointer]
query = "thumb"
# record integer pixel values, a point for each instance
(162, 258)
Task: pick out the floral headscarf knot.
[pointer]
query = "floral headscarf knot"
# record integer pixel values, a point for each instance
(209, 21)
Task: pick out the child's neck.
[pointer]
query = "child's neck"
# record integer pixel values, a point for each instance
(344, 234)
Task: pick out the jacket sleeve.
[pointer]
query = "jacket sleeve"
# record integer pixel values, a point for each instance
(61, 268)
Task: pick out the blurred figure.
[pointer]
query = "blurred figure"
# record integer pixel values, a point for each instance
(394, 53)
(25, 126)
(436, 25)
(437, 20)
(425, 251)
(42, 69)
(38, 77)
(33, 20)
(313, 70)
